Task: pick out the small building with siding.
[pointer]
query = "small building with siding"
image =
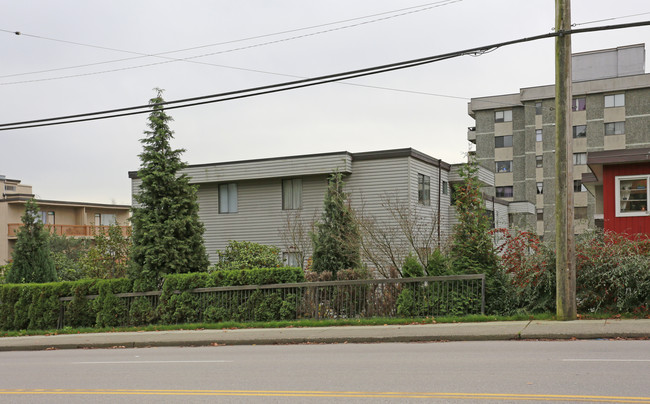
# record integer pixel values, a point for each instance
(71, 219)
(275, 201)
(620, 181)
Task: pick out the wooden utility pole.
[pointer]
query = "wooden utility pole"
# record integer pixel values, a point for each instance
(565, 274)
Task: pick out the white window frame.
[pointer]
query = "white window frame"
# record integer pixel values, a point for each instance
(292, 194)
(424, 189)
(503, 116)
(228, 199)
(622, 196)
(579, 185)
(47, 217)
(579, 134)
(105, 219)
(579, 159)
(614, 100)
(616, 128)
(576, 105)
(538, 135)
(292, 259)
(503, 141)
(503, 188)
(503, 169)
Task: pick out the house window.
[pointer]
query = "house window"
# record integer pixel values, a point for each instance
(10, 187)
(105, 219)
(579, 159)
(504, 192)
(540, 188)
(47, 217)
(578, 187)
(614, 100)
(292, 194)
(292, 259)
(504, 166)
(503, 116)
(424, 189)
(615, 128)
(539, 161)
(579, 131)
(540, 214)
(580, 213)
(228, 198)
(503, 141)
(632, 195)
(445, 188)
(538, 108)
(579, 104)
(538, 135)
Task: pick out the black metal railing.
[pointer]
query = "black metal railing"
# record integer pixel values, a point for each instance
(405, 297)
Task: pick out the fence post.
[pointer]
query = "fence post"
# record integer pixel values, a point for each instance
(483, 294)
(59, 323)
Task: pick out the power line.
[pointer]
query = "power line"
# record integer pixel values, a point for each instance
(403, 12)
(251, 92)
(608, 19)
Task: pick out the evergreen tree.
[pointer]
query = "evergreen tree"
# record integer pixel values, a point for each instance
(471, 250)
(32, 262)
(167, 233)
(336, 241)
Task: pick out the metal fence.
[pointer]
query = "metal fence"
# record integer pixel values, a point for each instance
(406, 297)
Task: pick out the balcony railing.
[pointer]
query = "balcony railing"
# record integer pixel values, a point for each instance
(70, 230)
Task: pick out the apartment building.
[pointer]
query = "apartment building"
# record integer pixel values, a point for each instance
(255, 200)
(514, 135)
(73, 219)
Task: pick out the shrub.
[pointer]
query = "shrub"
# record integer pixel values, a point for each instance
(412, 267)
(247, 255)
(612, 272)
(184, 307)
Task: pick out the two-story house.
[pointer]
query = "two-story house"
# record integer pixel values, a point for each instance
(275, 201)
(73, 219)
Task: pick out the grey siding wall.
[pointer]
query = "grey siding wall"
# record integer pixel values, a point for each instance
(374, 180)
(260, 217)
(431, 212)
(270, 168)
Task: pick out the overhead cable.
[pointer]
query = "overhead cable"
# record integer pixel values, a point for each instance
(292, 85)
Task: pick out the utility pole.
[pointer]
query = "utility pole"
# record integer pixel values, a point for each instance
(565, 272)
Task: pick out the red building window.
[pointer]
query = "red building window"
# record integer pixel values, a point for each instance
(632, 195)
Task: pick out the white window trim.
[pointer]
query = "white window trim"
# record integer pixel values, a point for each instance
(228, 203)
(618, 196)
(617, 100)
(292, 194)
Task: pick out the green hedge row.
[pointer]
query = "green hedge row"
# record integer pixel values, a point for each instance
(37, 306)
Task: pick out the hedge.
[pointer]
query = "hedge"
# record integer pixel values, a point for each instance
(37, 306)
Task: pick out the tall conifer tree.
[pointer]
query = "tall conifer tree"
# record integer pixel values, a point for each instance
(167, 233)
(32, 261)
(472, 250)
(337, 240)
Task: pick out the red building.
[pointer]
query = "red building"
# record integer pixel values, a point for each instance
(620, 181)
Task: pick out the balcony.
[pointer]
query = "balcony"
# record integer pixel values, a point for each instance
(69, 230)
(471, 134)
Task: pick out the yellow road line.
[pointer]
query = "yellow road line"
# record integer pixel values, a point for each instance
(332, 394)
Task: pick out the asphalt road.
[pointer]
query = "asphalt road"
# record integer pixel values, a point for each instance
(496, 371)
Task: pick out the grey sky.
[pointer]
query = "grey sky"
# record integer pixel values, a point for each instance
(89, 161)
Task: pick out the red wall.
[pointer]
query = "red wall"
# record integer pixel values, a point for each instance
(629, 225)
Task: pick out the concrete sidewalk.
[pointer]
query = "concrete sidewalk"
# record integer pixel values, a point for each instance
(506, 330)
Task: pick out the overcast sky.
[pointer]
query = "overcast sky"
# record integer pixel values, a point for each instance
(423, 107)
